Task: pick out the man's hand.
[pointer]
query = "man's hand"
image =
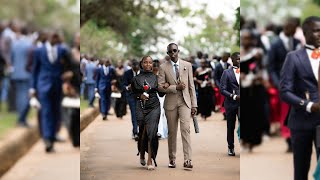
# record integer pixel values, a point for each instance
(193, 111)
(238, 98)
(315, 107)
(129, 87)
(181, 86)
(165, 85)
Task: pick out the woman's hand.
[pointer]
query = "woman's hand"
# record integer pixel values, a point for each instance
(144, 97)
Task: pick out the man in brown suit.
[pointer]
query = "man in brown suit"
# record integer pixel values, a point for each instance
(180, 102)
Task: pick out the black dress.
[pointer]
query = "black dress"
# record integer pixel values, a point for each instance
(148, 112)
(253, 114)
(205, 95)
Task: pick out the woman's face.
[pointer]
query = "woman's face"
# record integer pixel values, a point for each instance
(147, 64)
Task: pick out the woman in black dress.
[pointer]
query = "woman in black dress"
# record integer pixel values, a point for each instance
(145, 88)
(252, 87)
(205, 90)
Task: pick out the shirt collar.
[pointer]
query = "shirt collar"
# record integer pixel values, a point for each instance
(283, 37)
(310, 47)
(175, 63)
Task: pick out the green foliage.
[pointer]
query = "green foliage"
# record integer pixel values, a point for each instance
(217, 36)
(317, 2)
(134, 23)
(128, 28)
(237, 24)
(42, 13)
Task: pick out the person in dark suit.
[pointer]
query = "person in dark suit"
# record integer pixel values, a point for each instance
(280, 47)
(220, 67)
(229, 87)
(105, 74)
(128, 76)
(48, 63)
(299, 88)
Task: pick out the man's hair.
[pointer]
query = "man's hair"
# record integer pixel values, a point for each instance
(235, 54)
(171, 45)
(156, 63)
(308, 21)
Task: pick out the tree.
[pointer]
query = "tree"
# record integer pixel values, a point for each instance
(43, 14)
(135, 23)
(237, 24)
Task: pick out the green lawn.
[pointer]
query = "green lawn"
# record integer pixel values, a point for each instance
(8, 120)
(83, 104)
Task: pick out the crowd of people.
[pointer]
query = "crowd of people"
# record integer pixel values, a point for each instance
(38, 69)
(279, 78)
(114, 84)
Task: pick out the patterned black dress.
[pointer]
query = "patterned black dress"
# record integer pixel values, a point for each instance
(148, 112)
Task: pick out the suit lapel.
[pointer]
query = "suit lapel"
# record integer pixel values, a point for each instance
(233, 76)
(169, 66)
(181, 67)
(304, 59)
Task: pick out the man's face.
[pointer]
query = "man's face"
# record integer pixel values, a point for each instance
(313, 34)
(225, 57)
(289, 29)
(135, 67)
(173, 52)
(236, 60)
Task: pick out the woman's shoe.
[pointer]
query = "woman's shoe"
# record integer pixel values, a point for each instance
(143, 162)
(150, 167)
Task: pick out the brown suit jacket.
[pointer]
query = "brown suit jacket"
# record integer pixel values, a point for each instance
(167, 75)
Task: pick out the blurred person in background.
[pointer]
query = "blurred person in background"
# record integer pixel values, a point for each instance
(127, 80)
(253, 78)
(280, 47)
(71, 89)
(205, 91)
(223, 65)
(230, 81)
(89, 79)
(47, 86)
(120, 103)
(20, 49)
(104, 74)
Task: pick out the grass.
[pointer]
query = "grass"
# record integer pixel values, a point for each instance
(83, 104)
(8, 120)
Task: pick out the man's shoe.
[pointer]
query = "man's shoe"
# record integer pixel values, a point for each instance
(136, 137)
(172, 164)
(49, 146)
(143, 162)
(231, 152)
(104, 118)
(188, 164)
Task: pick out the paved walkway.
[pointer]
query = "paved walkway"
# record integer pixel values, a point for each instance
(109, 153)
(269, 161)
(37, 165)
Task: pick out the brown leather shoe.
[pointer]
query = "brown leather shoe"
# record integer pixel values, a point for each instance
(172, 164)
(187, 164)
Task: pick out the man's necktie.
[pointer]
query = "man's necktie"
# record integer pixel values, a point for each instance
(177, 71)
(238, 70)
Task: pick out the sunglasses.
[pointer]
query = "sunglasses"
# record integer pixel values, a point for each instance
(173, 51)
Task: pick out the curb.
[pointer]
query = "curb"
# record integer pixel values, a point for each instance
(20, 140)
(87, 117)
(16, 144)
